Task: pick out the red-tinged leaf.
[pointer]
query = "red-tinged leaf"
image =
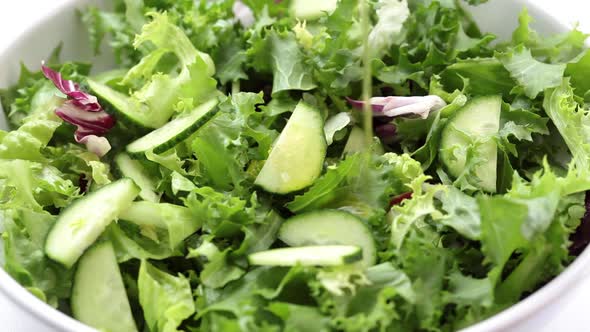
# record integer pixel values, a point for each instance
(397, 200)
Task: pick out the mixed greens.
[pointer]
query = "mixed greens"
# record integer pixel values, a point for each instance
(262, 165)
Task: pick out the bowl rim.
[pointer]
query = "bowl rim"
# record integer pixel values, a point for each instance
(563, 283)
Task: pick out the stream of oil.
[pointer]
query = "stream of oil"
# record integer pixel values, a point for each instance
(367, 113)
(367, 73)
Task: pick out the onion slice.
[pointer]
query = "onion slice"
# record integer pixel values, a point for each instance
(394, 106)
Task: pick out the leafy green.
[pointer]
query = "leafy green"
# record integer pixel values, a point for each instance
(462, 213)
(414, 211)
(298, 317)
(486, 76)
(289, 71)
(578, 71)
(218, 271)
(391, 17)
(225, 145)
(532, 75)
(559, 48)
(23, 236)
(448, 255)
(221, 213)
(571, 122)
(360, 186)
(166, 300)
(158, 89)
(100, 23)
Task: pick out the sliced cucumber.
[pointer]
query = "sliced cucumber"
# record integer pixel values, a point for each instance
(175, 131)
(177, 220)
(297, 157)
(478, 119)
(134, 113)
(135, 171)
(81, 223)
(307, 256)
(98, 293)
(312, 9)
(329, 227)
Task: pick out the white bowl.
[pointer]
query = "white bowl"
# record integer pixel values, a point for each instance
(20, 311)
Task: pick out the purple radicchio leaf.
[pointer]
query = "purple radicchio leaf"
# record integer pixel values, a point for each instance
(82, 110)
(386, 132)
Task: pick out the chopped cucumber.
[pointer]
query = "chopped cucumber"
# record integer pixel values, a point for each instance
(312, 9)
(307, 256)
(98, 293)
(177, 220)
(297, 157)
(329, 227)
(135, 171)
(175, 131)
(478, 119)
(81, 223)
(122, 104)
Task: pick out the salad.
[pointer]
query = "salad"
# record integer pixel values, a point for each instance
(262, 165)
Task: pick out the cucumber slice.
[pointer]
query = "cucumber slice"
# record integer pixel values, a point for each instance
(98, 293)
(479, 118)
(312, 9)
(307, 256)
(329, 227)
(81, 223)
(175, 131)
(135, 171)
(177, 220)
(132, 112)
(297, 157)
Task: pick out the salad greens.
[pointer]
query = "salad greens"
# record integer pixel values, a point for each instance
(468, 188)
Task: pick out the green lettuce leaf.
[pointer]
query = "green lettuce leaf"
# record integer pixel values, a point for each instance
(166, 300)
(531, 74)
(531, 221)
(414, 211)
(289, 71)
(102, 23)
(578, 71)
(23, 235)
(485, 76)
(226, 144)
(222, 214)
(462, 212)
(559, 48)
(160, 85)
(354, 186)
(299, 318)
(572, 122)
(391, 17)
(244, 300)
(218, 271)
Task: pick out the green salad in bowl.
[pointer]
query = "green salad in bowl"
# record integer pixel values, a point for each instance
(262, 165)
